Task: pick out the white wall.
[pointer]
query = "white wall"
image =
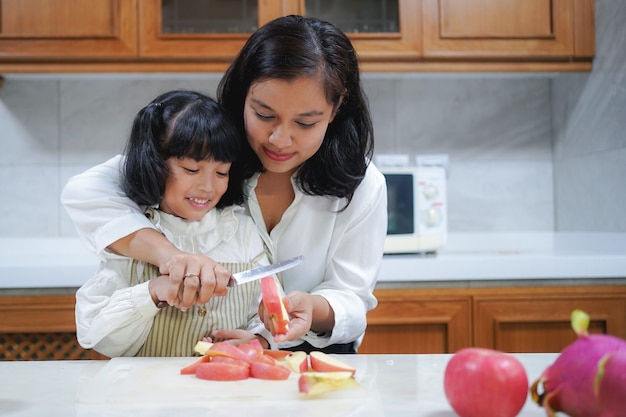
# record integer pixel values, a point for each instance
(531, 152)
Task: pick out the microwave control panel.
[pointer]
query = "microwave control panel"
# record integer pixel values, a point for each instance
(431, 200)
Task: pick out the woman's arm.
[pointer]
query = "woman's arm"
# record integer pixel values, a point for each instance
(107, 220)
(99, 209)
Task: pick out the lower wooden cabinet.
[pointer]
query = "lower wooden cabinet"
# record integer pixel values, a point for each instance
(407, 320)
(511, 319)
(411, 322)
(40, 328)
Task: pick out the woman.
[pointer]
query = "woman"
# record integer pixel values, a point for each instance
(295, 92)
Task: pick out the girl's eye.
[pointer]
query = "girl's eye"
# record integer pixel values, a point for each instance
(222, 174)
(191, 171)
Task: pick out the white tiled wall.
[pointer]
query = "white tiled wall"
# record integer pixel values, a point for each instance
(589, 125)
(534, 152)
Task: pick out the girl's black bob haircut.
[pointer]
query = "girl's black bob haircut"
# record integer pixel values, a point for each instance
(179, 124)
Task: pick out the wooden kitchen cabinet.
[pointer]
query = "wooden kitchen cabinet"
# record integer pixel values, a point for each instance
(40, 327)
(430, 35)
(538, 319)
(38, 31)
(418, 322)
(510, 319)
(509, 29)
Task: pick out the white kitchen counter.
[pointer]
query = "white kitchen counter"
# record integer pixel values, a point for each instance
(65, 263)
(391, 386)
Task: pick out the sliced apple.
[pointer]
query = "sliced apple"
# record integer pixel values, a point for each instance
(315, 383)
(297, 361)
(272, 295)
(202, 347)
(277, 354)
(322, 362)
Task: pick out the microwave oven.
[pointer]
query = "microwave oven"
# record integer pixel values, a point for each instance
(416, 209)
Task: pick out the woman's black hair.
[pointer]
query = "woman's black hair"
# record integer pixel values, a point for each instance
(180, 124)
(290, 47)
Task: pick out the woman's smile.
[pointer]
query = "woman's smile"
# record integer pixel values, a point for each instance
(278, 156)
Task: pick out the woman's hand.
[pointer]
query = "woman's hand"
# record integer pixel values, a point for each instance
(299, 305)
(193, 279)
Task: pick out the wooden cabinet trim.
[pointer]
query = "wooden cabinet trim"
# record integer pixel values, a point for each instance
(52, 313)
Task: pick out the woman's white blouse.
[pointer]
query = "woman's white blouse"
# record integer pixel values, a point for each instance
(342, 248)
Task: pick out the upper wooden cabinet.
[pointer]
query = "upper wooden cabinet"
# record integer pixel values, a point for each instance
(49, 30)
(507, 29)
(389, 35)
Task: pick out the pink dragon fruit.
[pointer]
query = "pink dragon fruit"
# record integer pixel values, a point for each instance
(588, 379)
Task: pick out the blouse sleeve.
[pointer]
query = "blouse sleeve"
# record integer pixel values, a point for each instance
(99, 209)
(111, 317)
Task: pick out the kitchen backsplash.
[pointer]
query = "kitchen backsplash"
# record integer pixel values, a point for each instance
(528, 152)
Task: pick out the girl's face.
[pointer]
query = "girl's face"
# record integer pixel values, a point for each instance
(286, 121)
(193, 187)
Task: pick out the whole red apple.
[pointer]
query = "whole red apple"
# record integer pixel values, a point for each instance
(482, 382)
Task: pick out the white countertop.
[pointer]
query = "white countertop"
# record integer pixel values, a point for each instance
(65, 263)
(391, 385)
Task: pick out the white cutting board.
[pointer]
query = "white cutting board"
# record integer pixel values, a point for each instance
(151, 384)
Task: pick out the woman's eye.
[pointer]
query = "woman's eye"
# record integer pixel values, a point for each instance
(263, 117)
(307, 125)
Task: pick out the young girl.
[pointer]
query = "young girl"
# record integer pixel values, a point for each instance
(178, 160)
(295, 93)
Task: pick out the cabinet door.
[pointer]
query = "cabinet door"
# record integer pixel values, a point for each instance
(406, 321)
(507, 29)
(67, 29)
(203, 30)
(380, 30)
(541, 322)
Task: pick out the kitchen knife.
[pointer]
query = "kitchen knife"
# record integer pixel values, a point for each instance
(239, 278)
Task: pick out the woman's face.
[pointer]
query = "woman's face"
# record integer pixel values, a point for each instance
(286, 121)
(193, 187)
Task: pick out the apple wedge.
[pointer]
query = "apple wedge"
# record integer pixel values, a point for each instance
(202, 347)
(297, 361)
(322, 362)
(272, 295)
(315, 383)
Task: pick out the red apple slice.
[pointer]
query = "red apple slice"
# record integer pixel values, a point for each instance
(221, 371)
(273, 302)
(314, 383)
(226, 349)
(263, 370)
(277, 354)
(322, 362)
(297, 361)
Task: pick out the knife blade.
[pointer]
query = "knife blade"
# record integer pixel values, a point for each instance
(253, 274)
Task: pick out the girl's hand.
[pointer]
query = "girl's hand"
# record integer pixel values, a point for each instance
(237, 337)
(299, 305)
